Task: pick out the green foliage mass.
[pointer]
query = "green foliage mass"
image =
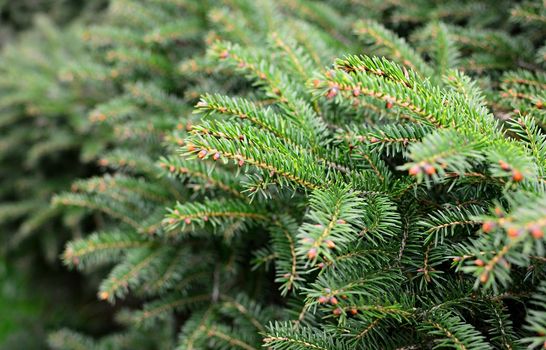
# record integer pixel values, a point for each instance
(300, 174)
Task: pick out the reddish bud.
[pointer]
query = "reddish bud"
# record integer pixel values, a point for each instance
(488, 226)
(479, 262)
(429, 169)
(356, 92)
(389, 104)
(322, 299)
(205, 218)
(499, 212)
(537, 232)
(190, 147)
(241, 162)
(332, 92)
(103, 295)
(316, 83)
(216, 156)
(330, 244)
(337, 311)
(341, 221)
(333, 301)
(373, 139)
(414, 170)
(202, 154)
(504, 166)
(513, 232)
(353, 311)
(224, 54)
(312, 253)
(517, 176)
(539, 105)
(187, 221)
(457, 259)
(172, 168)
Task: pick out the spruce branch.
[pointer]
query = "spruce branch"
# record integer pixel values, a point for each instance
(394, 47)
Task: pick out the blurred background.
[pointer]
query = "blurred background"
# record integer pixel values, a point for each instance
(36, 291)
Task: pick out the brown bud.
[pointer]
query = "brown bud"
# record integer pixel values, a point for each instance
(484, 277)
(353, 311)
(330, 244)
(333, 301)
(337, 311)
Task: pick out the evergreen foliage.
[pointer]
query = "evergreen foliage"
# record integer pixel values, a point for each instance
(313, 175)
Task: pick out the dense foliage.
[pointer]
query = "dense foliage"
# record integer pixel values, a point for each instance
(291, 174)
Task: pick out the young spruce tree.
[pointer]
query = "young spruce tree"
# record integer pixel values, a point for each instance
(336, 186)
